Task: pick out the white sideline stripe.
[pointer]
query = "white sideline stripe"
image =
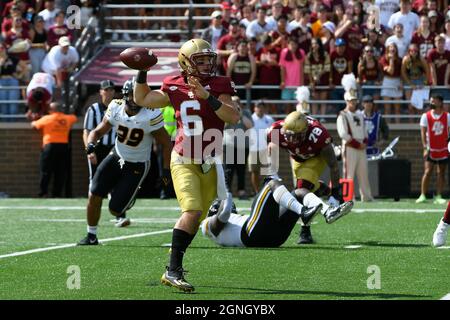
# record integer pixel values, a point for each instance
(446, 297)
(445, 247)
(138, 208)
(353, 247)
(138, 235)
(137, 220)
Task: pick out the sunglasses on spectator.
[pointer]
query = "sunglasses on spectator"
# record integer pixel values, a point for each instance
(368, 51)
(219, 17)
(413, 50)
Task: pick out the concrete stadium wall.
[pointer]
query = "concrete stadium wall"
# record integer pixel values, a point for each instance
(20, 148)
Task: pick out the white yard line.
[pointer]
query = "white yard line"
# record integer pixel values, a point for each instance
(446, 297)
(138, 235)
(136, 220)
(140, 208)
(444, 247)
(353, 247)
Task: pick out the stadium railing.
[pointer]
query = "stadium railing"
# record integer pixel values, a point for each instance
(190, 18)
(21, 103)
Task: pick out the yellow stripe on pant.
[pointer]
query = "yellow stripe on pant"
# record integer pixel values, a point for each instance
(262, 199)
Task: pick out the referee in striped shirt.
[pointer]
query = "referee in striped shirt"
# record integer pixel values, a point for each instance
(94, 116)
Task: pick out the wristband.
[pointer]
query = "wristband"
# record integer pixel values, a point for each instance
(214, 102)
(142, 77)
(90, 148)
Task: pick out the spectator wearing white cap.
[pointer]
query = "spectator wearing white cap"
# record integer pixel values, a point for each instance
(328, 29)
(61, 60)
(215, 31)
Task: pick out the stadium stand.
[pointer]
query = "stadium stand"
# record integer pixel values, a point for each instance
(107, 27)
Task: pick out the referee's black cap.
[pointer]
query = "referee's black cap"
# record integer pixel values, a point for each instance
(105, 84)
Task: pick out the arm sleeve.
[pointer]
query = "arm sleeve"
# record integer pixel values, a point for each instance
(38, 124)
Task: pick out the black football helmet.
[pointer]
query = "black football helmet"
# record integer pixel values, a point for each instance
(127, 92)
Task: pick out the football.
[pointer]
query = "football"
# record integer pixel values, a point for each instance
(138, 58)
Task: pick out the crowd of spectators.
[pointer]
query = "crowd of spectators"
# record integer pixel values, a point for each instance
(36, 37)
(386, 43)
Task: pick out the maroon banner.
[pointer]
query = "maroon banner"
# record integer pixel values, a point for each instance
(107, 65)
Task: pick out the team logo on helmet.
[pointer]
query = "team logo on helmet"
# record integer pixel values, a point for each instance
(197, 58)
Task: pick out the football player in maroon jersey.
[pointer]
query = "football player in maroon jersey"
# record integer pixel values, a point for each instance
(203, 104)
(309, 145)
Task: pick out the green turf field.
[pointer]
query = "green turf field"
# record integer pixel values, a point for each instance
(394, 236)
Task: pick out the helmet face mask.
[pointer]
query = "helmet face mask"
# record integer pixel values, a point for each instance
(295, 127)
(294, 137)
(127, 91)
(197, 59)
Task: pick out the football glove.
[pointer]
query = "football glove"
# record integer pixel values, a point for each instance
(90, 148)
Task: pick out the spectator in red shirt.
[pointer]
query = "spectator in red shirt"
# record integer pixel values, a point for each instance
(228, 44)
(317, 73)
(7, 22)
(58, 30)
(351, 32)
(439, 61)
(268, 71)
(341, 64)
(369, 72)
(16, 41)
(392, 83)
(242, 68)
(423, 37)
(280, 36)
(226, 14)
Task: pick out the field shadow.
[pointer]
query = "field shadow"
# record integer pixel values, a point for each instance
(334, 294)
(391, 245)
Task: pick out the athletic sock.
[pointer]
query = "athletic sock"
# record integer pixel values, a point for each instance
(446, 217)
(285, 199)
(224, 214)
(311, 200)
(92, 230)
(122, 216)
(180, 241)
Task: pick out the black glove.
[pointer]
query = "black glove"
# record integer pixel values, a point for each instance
(90, 148)
(336, 192)
(166, 178)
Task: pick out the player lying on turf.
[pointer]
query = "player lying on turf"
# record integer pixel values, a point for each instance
(310, 146)
(274, 213)
(125, 168)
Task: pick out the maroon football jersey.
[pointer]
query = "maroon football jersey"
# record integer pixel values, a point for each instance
(317, 138)
(424, 44)
(197, 123)
(440, 61)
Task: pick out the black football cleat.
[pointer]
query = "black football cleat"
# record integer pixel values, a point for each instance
(308, 214)
(89, 240)
(305, 236)
(176, 279)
